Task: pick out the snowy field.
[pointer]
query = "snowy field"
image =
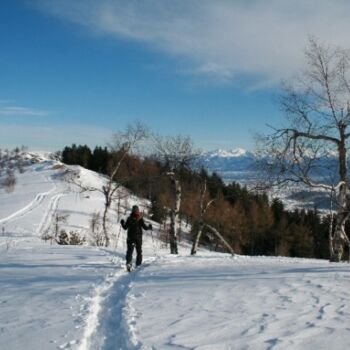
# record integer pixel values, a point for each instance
(80, 297)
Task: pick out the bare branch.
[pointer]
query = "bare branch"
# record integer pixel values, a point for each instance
(313, 147)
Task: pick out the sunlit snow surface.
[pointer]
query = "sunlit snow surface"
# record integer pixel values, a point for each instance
(59, 297)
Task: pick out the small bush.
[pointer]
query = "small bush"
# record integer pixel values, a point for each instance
(75, 238)
(63, 238)
(71, 238)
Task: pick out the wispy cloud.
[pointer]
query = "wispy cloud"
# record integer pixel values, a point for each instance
(261, 40)
(16, 111)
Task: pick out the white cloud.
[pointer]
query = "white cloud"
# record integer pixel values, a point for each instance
(17, 111)
(225, 39)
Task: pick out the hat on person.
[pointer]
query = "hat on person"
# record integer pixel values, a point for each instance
(135, 209)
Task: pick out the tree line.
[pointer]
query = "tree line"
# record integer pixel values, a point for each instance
(248, 221)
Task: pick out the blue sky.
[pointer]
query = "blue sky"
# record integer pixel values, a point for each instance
(77, 71)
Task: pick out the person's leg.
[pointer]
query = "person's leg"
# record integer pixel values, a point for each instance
(139, 252)
(130, 249)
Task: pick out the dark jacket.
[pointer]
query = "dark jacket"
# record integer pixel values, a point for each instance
(134, 225)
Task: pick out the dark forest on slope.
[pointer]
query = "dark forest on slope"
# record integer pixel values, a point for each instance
(247, 220)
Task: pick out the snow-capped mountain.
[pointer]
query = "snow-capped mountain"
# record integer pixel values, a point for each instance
(222, 153)
(232, 165)
(239, 165)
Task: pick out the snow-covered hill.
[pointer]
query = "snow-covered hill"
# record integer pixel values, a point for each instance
(80, 297)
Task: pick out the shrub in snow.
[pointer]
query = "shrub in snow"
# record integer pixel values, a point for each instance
(73, 238)
(63, 238)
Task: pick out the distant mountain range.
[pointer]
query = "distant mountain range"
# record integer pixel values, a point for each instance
(232, 165)
(239, 165)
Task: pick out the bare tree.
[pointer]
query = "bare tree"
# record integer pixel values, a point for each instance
(312, 148)
(123, 144)
(204, 205)
(95, 228)
(10, 160)
(10, 180)
(177, 153)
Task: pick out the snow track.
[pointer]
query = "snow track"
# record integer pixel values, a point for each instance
(36, 202)
(213, 302)
(110, 323)
(49, 213)
(104, 320)
(39, 201)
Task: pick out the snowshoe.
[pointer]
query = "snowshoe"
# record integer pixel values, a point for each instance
(128, 267)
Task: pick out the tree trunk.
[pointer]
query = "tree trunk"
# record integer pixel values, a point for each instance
(202, 211)
(174, 217)
(196, 241)
(330, 237)
(172, 233)
(104, 226)
(340, 237)
(104, 217)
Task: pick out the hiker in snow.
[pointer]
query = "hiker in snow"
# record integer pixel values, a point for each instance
(134, 224)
